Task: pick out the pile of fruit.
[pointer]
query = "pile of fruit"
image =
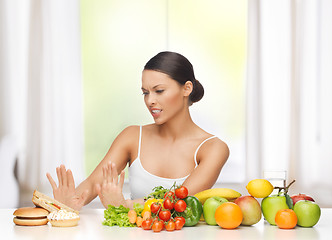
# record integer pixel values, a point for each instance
(284, 211)
(172, 209)
(228, 209)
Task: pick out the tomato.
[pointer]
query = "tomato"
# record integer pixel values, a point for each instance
(148, 203)
(155, 207)
(180, 206)
(169, 194)
(168, 204)
(181, 192)
(56, 206)
(147, 224)
(179, 223)
(165, 215)
(170, 225)
(157, 226)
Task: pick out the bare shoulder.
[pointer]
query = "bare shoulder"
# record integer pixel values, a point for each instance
(212, 150)
(216, 143)
(128, 135)
(130, 130)
(131, 133)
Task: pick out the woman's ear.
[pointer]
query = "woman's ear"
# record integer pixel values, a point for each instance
(188, 88)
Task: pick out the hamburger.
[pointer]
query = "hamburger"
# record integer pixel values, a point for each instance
(30, 216)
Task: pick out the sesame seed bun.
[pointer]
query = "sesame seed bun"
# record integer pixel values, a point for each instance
(30, 216)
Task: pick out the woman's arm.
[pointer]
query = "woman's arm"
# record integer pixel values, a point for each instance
(211, 157)
(119, 153)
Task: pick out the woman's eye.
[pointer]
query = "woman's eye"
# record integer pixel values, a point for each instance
(159, 91)
(145, 93)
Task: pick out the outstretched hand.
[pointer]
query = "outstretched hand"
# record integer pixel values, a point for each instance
(66, 192)
(110, 190)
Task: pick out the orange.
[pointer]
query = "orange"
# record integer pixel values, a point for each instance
(228, 215)
(286, 219)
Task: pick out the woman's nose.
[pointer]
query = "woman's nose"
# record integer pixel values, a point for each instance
(150, 99)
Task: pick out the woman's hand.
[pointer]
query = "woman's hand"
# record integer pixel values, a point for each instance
(66, 192)
(110, 190)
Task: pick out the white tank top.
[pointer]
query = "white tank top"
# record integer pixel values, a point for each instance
(141, 182)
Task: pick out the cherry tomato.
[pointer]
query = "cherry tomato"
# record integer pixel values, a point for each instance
(147, 204)
(165, 215)
(179, 222)
(147, 224)
(155, 207)
(168, 204)
(170, 225)
(169, 194)
(180, 206)
(181, 192)
(157, 226)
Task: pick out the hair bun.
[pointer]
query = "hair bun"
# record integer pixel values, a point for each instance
(197, 93)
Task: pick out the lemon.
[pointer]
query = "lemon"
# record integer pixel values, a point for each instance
(259, 188)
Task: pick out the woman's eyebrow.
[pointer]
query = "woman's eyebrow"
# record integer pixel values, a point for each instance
(152, 87)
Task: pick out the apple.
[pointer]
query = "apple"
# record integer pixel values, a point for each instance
(307, 212)
(301, 196)
(209, 208)
(250, 208)
(271, 205)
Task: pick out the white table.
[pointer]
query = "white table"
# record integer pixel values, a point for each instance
(90, 227)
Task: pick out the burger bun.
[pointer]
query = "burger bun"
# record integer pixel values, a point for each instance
(30, 216)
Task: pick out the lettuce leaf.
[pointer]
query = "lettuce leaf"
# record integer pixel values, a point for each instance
(117, 216)
(138, 208)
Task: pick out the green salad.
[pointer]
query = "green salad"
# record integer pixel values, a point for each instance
(118, 216)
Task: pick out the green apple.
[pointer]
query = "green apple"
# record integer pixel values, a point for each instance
(250, 208)
(209, 208)
(307, 212)
(271, 205)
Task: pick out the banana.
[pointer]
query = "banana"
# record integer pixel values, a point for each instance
(227, 193)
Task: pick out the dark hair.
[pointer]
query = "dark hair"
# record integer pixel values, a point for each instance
(178, 68)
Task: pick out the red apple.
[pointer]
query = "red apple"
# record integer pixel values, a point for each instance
(301, 196)
(250, 208)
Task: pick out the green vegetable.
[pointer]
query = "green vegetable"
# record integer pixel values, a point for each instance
(193, 212)
(117, 216)
(138, 208)
(158, 193)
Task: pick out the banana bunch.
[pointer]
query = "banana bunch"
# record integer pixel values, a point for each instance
(227, 193)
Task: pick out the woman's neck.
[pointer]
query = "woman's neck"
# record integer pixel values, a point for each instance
(178, 127)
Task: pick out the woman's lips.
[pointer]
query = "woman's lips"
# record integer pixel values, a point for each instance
(156, 112)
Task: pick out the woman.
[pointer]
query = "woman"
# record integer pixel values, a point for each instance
(173, 149)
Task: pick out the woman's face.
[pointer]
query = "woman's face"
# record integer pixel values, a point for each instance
(163, 96)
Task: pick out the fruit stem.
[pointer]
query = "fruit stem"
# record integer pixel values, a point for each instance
(290, 184)
(285, 188)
